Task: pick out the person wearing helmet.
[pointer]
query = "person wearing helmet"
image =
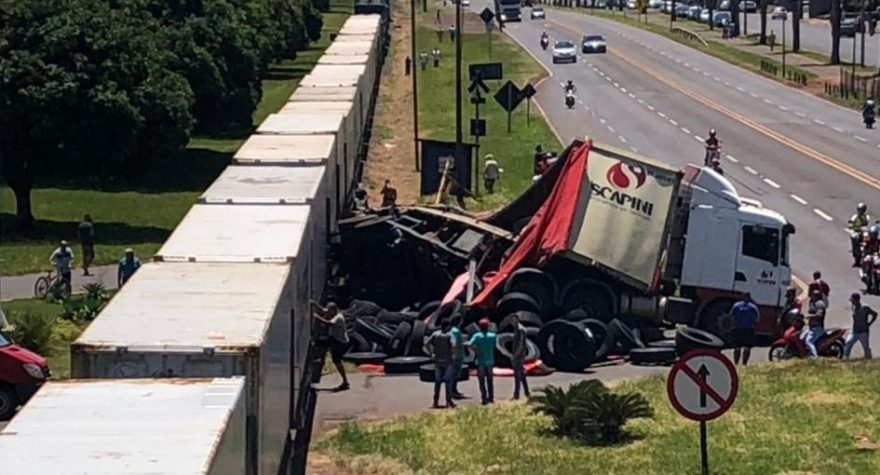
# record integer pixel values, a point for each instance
(713, 145)
(62, 258)
(857, 222)
(868, 112)
(872, 244)
(569, 87)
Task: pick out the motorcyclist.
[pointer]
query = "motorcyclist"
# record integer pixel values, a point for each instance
(569, 87)
(712, 146)
(545, 39)
(872, 245)
(858, 221)
(868, 111)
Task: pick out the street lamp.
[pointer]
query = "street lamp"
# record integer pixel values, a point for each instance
(415, 86)
(783, 44)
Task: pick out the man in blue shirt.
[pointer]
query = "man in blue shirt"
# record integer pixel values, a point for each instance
(745, 318)
(458, 356)
(484, 343)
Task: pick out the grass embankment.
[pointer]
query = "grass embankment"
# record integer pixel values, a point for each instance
(796, 417)
(143, 216)
(63, 332)
(513, 151)
(722, 51)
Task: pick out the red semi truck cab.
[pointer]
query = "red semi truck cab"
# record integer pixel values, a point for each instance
(22, 372)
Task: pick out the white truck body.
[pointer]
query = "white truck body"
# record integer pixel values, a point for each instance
(129, 427)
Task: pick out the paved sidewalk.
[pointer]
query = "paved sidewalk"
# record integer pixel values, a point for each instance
(22, 286)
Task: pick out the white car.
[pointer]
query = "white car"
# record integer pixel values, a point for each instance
(631, 4)
(704, 15)
(537, 13)
(779, 13)
(564, 52)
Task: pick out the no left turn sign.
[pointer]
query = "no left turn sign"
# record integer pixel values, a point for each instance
(702, 385)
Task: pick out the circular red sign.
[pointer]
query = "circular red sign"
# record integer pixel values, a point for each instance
(682, 366)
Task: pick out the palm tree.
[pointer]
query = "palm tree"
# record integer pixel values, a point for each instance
(564, 407)
(606, 413)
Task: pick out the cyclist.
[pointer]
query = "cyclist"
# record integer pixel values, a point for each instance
(62, 258)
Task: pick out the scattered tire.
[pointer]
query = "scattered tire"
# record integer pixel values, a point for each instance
(362, 308)
(358, 343)
(528, 319)
(372, 332)
(585, 295)
(426, 373)
(365, 357)
(604, 339)
(396, 317)
(428, 309)
(397, 345)
(415, 342)
(504, 350)
(624, 337)
(652, 355)
(536, 283)
(405, 364)
(567, 346)
(716, 319)
(662, 344)
(515, 301)
(688, 338)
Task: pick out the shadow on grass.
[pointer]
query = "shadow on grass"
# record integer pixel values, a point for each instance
(287, 73)
(108, 233)
(625, 438)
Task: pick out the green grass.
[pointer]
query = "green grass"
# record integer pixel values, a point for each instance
(143, 216)
(65, 332)
(798, 417)
(437, 112)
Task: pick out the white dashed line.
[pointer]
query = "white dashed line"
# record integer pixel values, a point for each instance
(673, 122)
(616, 84)
(838, 129)
(650, 107)
(717, 79)
(823, 214)
(586, 107)
(611, 129)
(818, 122)
(602, 121)
(753, 94)
(771, 183)
(751, 170)
(677, 60)
(580, 102)
(622, 139)
(631, 95)
(768, 101)
(740, 89)
(800, 114)
(783, 108)
(685, 130)
(623, 89)
(641, 101)
(799, 199)
(698, 138)
(727, 84)
(847, 231)
(608, 78)
(732, 159)
(687, 65)
(860, 138)
(635, 150)
(662, 115)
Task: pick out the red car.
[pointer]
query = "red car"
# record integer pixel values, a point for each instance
(22, 372)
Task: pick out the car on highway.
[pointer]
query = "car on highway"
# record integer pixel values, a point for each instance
(748, 6)
(724, 5)
(593, 44)
(564, 51)
(694, 12)
(631, 4)
(666, 7)
(704, 15)
(681, 12)
(848, 28)
(655, 4)
(779, 13)
(537, 13)
(722, 18)
(465, 3)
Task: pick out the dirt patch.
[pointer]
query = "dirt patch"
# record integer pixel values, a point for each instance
(823, 399)
(392, 151)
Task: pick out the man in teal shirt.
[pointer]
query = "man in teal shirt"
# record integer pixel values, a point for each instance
(127, 267)
(484, 344)
(458, 356)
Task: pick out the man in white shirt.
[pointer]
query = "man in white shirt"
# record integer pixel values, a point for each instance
(491, 172)
(337, 339)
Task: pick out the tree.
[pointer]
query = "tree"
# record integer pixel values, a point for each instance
(796, 26)
(84, 87)
(835, 31)
(762, 9)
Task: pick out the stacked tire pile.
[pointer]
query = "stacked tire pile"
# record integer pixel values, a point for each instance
(583, 335)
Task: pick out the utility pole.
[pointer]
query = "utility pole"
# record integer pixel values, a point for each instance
(458, 35)
(415, 84)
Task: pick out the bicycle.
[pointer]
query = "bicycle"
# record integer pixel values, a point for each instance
(51, 282)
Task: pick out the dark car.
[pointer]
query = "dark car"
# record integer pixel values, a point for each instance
(593, 44)
(848, 28)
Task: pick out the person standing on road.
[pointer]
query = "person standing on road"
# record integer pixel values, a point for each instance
(336, 341)
(441, 346)
(745, 318)
(407, 65)
(389, 195)
(484, 344)
(128, 265)
(491, 173)
(863, 317)
(87, 242)
(518, 359)
(771, 40)
(819, 284)
(62, 258)
(816, 321)
(458, 356)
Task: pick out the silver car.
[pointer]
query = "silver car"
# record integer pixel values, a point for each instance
(593, 44)
(537, 13)
(564, 52)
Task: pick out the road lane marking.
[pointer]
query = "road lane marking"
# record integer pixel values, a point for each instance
(602, 121)
(685, 130)
(783, 108)
(740, 89)
(838, 129)
(622, 139)
(818, 122)
(650, 107)
(751, 170)
(622, 89)
(732, 159)
(772, 183)
(661, 114)
(641, 101)
(698, 138)
(673, 122)
(753, 94)
(635, 150)
(860, 138)
(798, 199)
(823, 214)
(611, 129)
(800, 114)
(631, 95)
(768, 101)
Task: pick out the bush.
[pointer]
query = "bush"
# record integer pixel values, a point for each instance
(32, 330)
(84, 308)
(588, 411)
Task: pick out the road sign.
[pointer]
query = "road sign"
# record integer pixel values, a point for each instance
(478, 83)
(528, 91)
(702, 385)
(478, 127)
(485, 71)
(487, 15)
(509, 96)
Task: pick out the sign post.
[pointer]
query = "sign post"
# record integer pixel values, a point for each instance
(509, 96)
(478, 125)
(702, 386)
(486, 15)
(527, 92)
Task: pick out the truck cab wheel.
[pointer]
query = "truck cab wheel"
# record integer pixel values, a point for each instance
(594, 302)
(715, 319)
(8, 402)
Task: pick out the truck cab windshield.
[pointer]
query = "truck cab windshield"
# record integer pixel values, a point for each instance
(762, 243)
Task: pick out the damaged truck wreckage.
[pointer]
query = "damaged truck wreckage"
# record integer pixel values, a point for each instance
(598, 257)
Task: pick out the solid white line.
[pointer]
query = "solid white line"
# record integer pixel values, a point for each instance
(751, 170)
(650, 107)
(860, 138)
(771, 183)
(673, 122)
(733, 159)
(799, 199)
(823, 214)
(685, 130)
(818, 122)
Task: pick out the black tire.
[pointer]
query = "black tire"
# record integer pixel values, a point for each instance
(662, 344)
(688, 339)
(426, 373)
(835, 350)
(385, 316)
(372, 332)
(415, 342)
(567, 346)
(528, 320)
(539, 285)
(447, 310)
(405, 364)
(603, 337)
(397, 345)
(358, 343)
(428, 309)
(624, 337)
(594, 301)
(715, 319)
(8, 402)
(361, 308)
(652, 356)
(504, 350)
(514, 302)
(779, 353)
(41, 288)
(365, 357)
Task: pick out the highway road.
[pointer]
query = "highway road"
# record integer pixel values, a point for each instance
(816, 36)
(804, 157)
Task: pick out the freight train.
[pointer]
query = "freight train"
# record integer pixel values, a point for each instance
(227, 296)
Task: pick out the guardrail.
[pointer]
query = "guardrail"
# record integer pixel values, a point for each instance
(689, 35)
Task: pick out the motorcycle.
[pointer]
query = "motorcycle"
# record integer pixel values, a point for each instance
(870, 273)
(569, 99)
(859, 240)
(712, 154)
(545, 42)
(869, 120)
(791, 345)
(716, 166)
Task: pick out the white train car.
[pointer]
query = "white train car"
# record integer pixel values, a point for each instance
(128, 427)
